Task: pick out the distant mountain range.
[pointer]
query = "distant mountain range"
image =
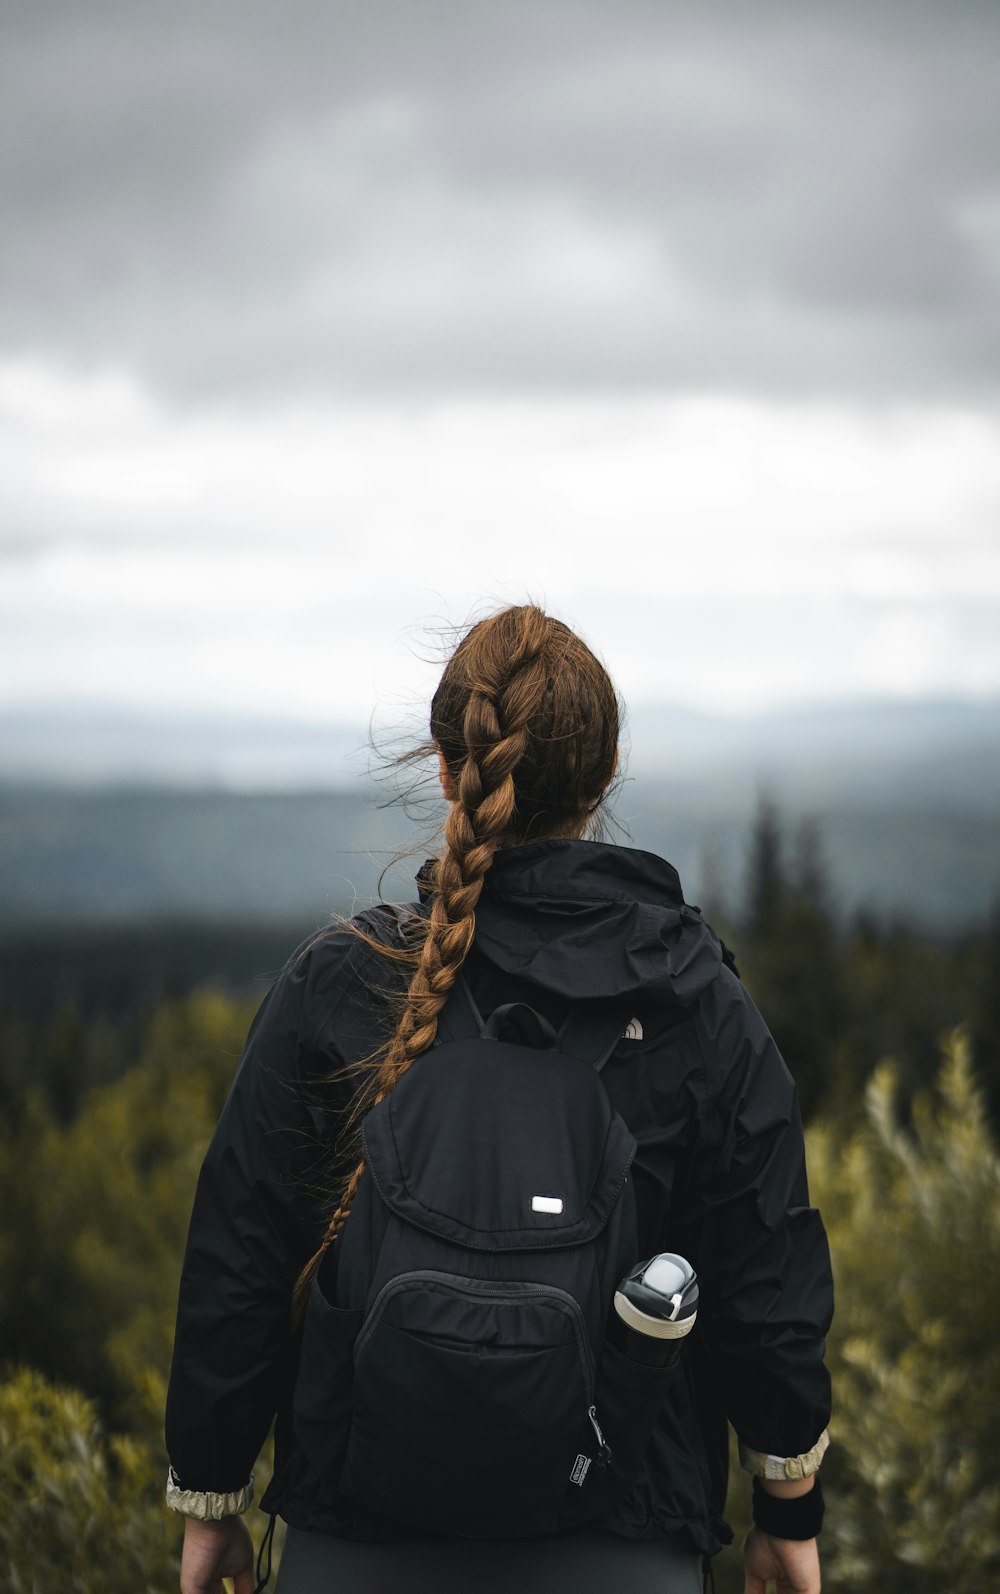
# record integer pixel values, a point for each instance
(110, 816)
(93, 744)
(839, 747)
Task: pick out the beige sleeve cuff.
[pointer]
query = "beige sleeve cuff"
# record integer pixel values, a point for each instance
(207, 1507)
(784, 1468)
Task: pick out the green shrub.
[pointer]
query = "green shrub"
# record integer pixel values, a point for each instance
(88, 1277)
(88, 1284)
(914, 1221)
(82, 1509)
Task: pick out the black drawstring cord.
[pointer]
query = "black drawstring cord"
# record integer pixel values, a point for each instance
(262, 1582)
(708, 1575)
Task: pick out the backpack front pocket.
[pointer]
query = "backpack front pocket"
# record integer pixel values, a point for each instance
(494, 1379)
(321, 1401)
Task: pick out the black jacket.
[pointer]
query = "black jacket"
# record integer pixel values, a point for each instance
(719, 1176)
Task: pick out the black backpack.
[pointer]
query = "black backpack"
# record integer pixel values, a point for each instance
(455, 1373)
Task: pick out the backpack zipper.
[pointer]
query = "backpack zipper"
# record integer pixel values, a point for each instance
(603, 1448)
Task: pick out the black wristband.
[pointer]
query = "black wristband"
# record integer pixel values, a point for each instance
(800, 1517)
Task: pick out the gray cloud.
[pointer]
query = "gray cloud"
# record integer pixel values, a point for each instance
(247, 199)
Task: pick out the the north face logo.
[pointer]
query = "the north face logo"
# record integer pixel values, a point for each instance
(632, 1030)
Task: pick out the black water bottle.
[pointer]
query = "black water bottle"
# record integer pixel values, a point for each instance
(656, 1304)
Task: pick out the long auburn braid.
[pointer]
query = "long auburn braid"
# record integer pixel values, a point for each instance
(502, 689)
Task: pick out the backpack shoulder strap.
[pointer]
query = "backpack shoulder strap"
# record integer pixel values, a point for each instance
(460, 1018)
(592, 1031)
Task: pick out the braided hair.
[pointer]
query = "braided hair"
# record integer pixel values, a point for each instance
(527, 721)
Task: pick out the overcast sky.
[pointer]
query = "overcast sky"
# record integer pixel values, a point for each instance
(322, 322)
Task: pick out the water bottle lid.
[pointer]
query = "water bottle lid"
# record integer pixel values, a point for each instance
(668, 1274)
(659, 1296)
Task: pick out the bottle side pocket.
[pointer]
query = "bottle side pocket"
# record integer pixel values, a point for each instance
(629, 1397)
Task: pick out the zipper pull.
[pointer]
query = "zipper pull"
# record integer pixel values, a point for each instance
(603, 1456)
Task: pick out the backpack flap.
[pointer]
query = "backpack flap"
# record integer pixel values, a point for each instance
(499, 1147)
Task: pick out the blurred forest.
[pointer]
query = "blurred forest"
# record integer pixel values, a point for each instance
(110, 1090)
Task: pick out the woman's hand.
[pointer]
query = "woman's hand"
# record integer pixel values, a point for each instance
(214, 1550)
(793, 1563)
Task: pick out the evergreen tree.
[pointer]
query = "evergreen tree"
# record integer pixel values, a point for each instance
(984, 1004)
(766, 880)
(792, 962)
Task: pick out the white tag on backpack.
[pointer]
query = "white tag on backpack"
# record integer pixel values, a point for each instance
(546, 1203)
(581, 1467)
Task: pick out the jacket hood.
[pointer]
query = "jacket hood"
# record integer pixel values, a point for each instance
(588, 919)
